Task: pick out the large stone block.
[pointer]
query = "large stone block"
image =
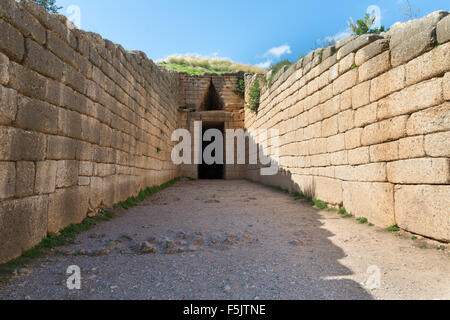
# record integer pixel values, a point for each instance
(413, 47)
(366, 115)
(353, 138)
(38, 116)
(419, 171)
(423, 209)
(374, 172)
(346, 120)
(411, 147)
(346, 81)
(421, 96)
(438, 144)
(446, 86)
(8, 105)
(61, 148)
(361, 95)
(443, 30)
(43, 61)
(374, 201)
(384, 152)
(375, 66)
(67, 173)
(403, 31)
(21, 145)
(430, 120)
(23, 224)
(4, 73)
(346, 63)
(7, 180)
(370, 51)
(11, 41)
(45, 177)
(328, 190)
(336, 143)
(67, 206)
(387, 83)
(358, 156)
(330, 127)
(25, 174)
(27, 82)
(356, 44)
(384, 131)
(431, 64)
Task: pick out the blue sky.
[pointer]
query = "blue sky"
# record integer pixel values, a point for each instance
(257, 32)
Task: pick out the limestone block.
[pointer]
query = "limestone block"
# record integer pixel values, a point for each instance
(430, 120)
(38, 116)
(25, 174)
(411, 147)
(414, 46)
(345, 99)
(61, 148)
(419, 171)
(329, 108)
(346, 63)
(334, 72)
(387, 83)
(8, 105)
(375, 172)
(336, 143)
(7, 180)
(431, 64)
(11, 41)
(45, 177)
(339, 158)
(84, 181)
(374, 201)
(358, 156)
(375, 66)
(343, 42)
(70, 125)
(67, 173)
(67, 206)
(23, 224)
(318, 146)
(346, 120)
(86, 168)
(361, 95)
(423, 209)
(438, 144)
(384, 152)
(443, 30)
(21, 145)
(353, 138)
(383, 131)
(328, 190)
(371, 50)
(366, 115)
(27, 82)
(446, 86)
(42, 60)
(420, 96)
(356, 44)
(4, 74)
(330, 127)
(346, 81)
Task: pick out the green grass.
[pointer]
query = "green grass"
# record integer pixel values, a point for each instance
(371, 224)
(298, 195)
(320, 204)
(354, 66)
(158, 149)
(393, 229)
(278, 188)
(362, 220)
(414, 238)
(68, 235)
(440, 247)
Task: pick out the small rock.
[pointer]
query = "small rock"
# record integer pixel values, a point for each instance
(146, 248)
(227, 288)
(198, 241)
(94, 236)
(100, 253)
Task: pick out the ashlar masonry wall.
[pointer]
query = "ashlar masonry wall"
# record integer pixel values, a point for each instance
(366, 125)
(83, 125)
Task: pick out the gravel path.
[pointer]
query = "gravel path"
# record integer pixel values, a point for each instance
(236, 240)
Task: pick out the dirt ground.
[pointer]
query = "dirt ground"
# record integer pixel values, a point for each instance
(236, 240)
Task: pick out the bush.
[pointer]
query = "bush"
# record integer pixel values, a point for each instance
(49, 5)
(240, 88)
(364, 26)
(255, 95)
(275, 68)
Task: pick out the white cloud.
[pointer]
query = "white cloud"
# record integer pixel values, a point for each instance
(264, 65)
(277, 52)
(338, 36)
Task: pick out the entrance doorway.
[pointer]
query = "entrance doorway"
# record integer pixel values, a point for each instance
(214, 171)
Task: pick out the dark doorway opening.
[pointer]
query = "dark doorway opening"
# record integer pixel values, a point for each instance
(212, 101)
(214, 171)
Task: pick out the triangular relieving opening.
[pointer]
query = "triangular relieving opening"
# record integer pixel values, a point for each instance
(212, 100)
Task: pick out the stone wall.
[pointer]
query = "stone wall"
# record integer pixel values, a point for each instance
(366, 125)
(84, 124)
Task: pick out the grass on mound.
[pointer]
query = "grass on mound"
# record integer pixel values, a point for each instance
(199, 65)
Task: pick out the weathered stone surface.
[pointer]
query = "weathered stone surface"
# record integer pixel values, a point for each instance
(343, 42)
(361, 95)
(67, 206)
(414, 98)
(429, 65)
(346, 81)
(356, 44)
(8, 105)
(43, 61)
(45, 177)
(330, 127)
(446, 86)
(27, 82)
(430, 120)
(328, 190)
(11, 41)
(411, 147)
(346, 63)
(413, 47)
(417, 171)
(23, 224)
(438, 144)
(346, 120)
(403, 31)
(366, 115)
(353, 138)
(423, 209)
(4, 74)
(443, 30)
(387, 83)
(25, 174)
(21, 145)
(368, 172)
(383, 131)
(375, 66)
(374, 201)
(370, 51)
(7, 180)
(37, 116)
(67, 173)
(384, 152)
(358, 156)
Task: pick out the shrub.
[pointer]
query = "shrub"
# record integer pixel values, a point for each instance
(275, 68)
(240, 88)
(255, 95)
(364, 26)
(49, 5)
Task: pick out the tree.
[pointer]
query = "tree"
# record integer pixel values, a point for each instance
(49, 5)
(365, 26)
